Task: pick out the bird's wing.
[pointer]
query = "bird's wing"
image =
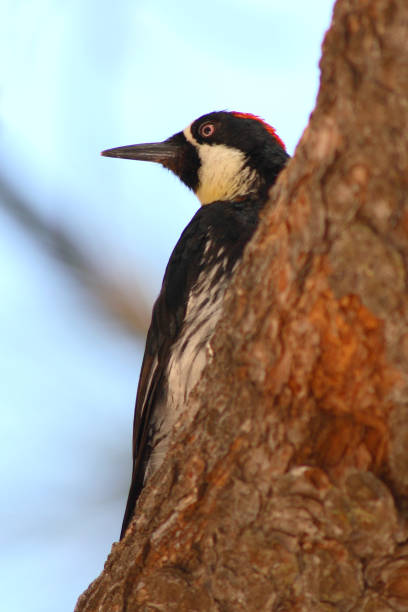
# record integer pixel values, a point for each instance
(167, 320)
(149, 379)
(221, 224)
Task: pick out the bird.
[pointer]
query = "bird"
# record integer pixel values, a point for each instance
(229, 160)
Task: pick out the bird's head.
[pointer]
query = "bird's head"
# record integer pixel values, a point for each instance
(220, 156)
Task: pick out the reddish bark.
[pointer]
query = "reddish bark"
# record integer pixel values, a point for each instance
(288, 490)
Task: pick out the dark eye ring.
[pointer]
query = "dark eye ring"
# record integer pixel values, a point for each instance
(207, 129)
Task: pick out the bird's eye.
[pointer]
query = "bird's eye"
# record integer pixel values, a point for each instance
(206, 130)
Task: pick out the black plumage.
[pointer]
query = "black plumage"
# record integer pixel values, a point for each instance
(227, 226)
(200, 267)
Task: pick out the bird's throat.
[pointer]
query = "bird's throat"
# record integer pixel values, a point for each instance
(224, 175)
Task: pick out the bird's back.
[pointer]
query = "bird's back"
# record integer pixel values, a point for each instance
(183, 321)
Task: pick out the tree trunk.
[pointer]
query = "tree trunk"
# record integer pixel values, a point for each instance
(287, 492)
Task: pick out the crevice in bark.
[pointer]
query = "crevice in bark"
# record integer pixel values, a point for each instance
(292, 478)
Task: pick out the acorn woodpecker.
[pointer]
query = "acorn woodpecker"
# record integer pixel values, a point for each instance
(230, 160)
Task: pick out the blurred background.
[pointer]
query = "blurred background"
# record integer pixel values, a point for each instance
(84, 240)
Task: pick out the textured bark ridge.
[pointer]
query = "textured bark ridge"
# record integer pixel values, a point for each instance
(288, 491)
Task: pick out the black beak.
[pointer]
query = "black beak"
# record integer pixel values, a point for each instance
(165, 153)
(175, 153)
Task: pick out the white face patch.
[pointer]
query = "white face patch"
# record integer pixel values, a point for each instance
(223, 174)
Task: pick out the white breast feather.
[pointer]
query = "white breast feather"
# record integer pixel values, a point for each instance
(189, 356)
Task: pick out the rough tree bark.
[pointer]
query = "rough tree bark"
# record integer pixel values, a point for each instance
(288, 490)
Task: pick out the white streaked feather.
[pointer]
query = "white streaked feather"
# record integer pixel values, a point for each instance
(190, 354)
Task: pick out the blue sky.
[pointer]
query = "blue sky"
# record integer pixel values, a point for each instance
(75, 78)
